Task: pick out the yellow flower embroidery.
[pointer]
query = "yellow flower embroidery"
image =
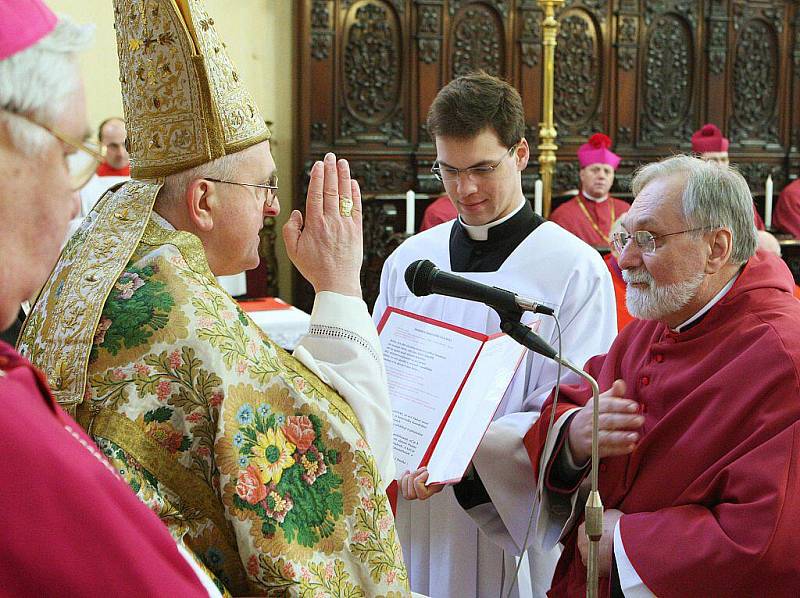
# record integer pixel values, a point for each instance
(272, 454)
(134, 44)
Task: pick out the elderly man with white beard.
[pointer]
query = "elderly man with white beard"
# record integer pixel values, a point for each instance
(700, 414)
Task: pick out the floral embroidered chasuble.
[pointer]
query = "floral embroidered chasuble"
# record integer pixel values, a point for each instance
(245, 454)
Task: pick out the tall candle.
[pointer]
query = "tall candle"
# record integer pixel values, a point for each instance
(537, 196)
(768, 203)
(410, 198)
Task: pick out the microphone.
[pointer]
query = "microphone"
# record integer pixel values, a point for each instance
(424, 278)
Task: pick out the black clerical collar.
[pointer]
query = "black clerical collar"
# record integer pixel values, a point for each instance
(698, 317)
(469, 255)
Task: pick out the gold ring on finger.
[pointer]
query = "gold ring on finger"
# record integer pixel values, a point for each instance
(345, 206)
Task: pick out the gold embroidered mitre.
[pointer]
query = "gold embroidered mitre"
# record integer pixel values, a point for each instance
(184, 103)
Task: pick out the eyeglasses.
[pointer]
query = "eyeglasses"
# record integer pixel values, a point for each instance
(80, 170)
(645, 240)
(271, 185)
(448, 173)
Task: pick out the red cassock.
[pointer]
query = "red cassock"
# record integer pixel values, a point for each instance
(571, 217)
(105, 169)
(71, 526)
(441, 210)
(711, 495)
(787, 211)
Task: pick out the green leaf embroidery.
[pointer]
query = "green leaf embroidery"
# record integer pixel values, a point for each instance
(162, 414)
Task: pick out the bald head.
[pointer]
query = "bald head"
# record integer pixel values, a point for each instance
(112, 136)
(768, 242)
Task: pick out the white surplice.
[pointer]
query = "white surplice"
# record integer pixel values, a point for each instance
(446, 553)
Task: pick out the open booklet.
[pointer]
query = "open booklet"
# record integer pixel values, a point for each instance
(445, 385)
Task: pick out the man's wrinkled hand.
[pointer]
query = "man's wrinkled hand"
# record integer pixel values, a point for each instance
(620, 421)
(606, 545)
(412, 485)
(327, 245)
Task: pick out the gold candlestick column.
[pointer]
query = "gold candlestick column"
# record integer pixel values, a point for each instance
(547, 128)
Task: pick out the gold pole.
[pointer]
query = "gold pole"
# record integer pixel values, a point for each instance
(547, 128)
(547, 166)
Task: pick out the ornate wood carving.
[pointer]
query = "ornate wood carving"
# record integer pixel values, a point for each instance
(428, 50)
(371, 63)
(380, 239)
(796, 52)
(755, 83)
(399, 5)
(686, 8)
(744, 11)
(382, 176)
(717, 38)
(627, 39)
(319, 132)
(578, 76)
(320, 34)
(477, 41)
(530, 37)
(756, 174)
(566, 177)
(624, 136)
(668, 81)
(266, 249)
(429, 19)
(648, 72)
(429, 41)
(500, 5)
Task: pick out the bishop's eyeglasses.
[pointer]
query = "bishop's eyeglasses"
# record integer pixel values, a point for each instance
(271, 186)
(645, 240)
(448, 173)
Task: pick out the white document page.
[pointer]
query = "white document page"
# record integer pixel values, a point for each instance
(475, 408)
(425, 366)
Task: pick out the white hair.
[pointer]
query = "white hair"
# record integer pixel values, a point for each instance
(223, 168)
(656, 302)
(714, 196)
(38, 80)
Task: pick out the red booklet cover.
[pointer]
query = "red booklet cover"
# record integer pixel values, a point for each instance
(264, 304)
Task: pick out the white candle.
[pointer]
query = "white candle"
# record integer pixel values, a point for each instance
(768, 203)
(410, 197)
(537, 196)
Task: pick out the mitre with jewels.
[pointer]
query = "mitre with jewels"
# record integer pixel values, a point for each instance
(184, 102)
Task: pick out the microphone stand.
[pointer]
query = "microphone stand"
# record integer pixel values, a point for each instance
(593, 514)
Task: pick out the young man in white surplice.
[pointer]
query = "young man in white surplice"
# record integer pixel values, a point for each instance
(464, 540)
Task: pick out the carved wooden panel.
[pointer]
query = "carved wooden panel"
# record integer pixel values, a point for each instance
(646, 72)
(755, 80)
(371, 74)
(669, 74)
(476, 39)
(578, 75)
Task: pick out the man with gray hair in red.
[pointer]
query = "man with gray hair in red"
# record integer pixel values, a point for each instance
(699, 428)
(70, 523)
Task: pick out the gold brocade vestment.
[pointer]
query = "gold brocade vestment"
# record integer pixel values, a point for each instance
(259, 467)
